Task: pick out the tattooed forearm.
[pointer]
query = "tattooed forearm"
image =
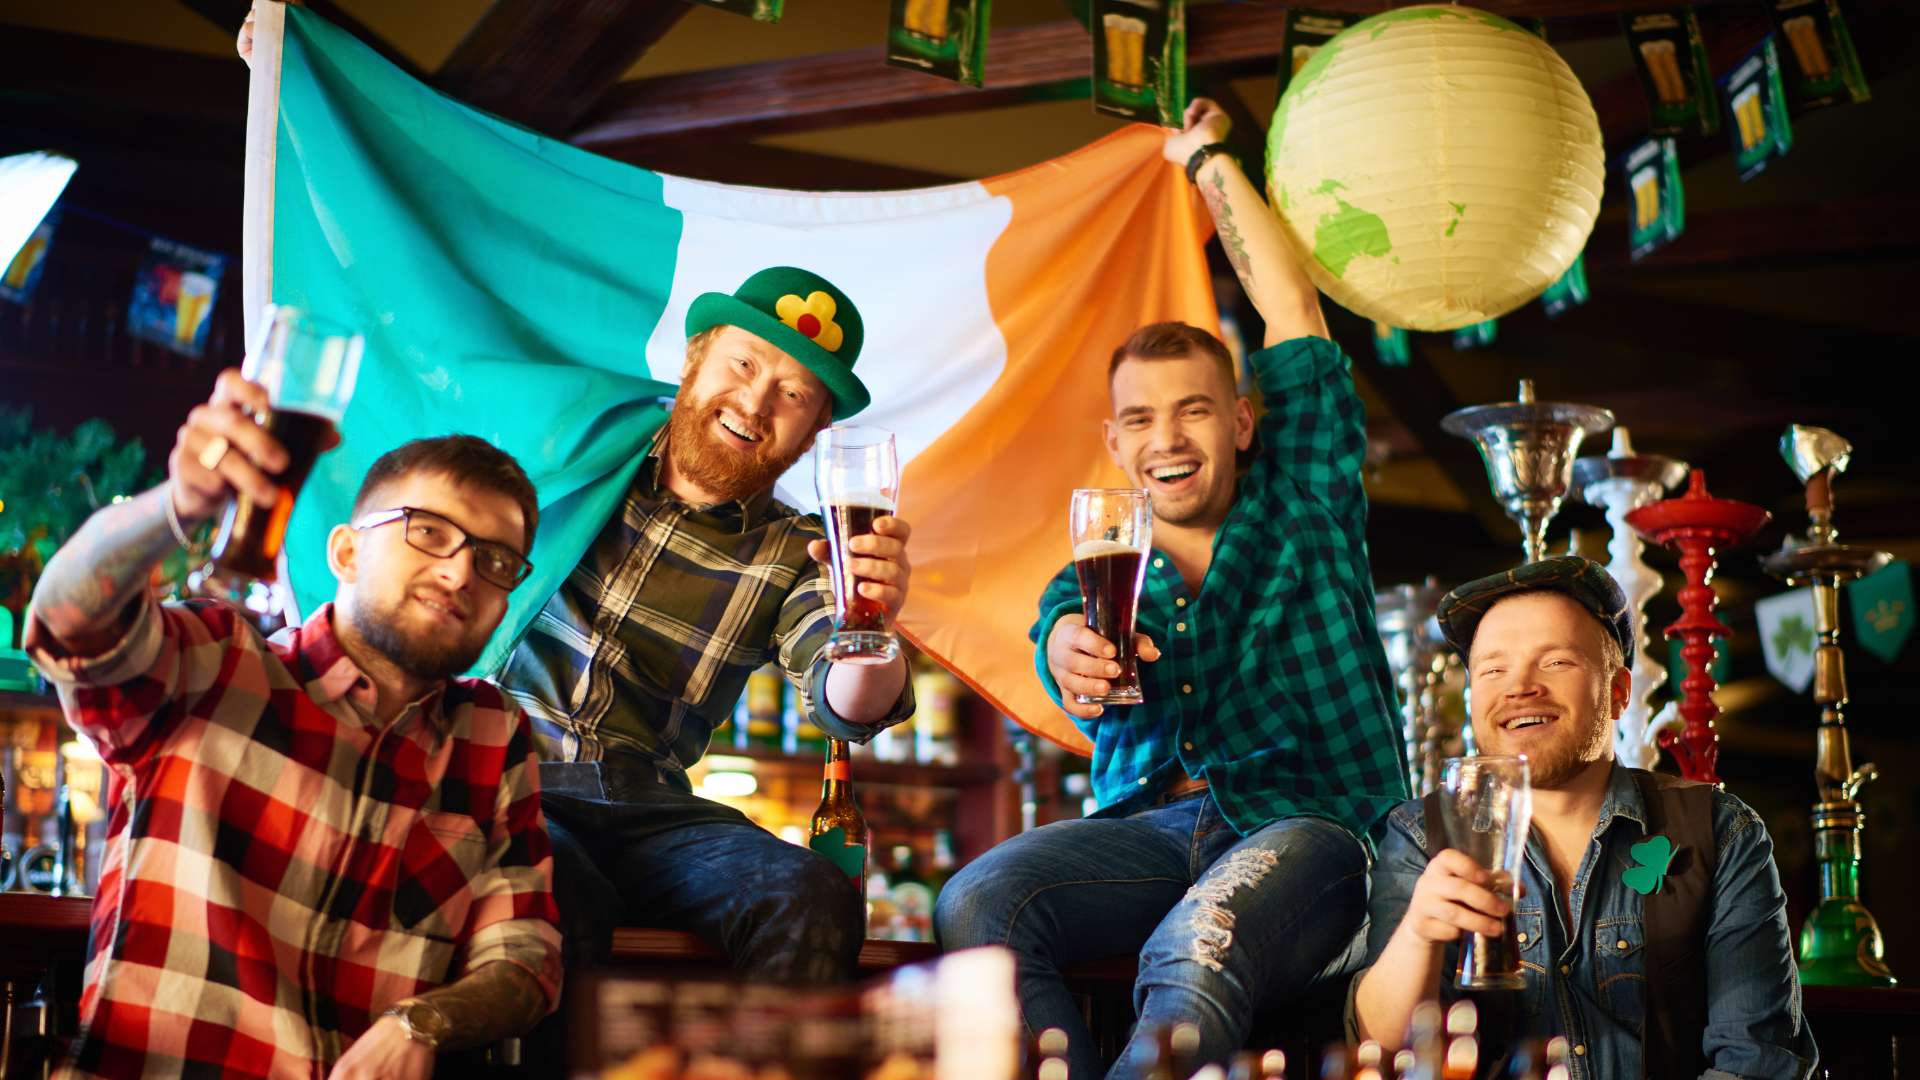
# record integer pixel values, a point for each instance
(499, 1001)
(88, 582)
(1230, 238)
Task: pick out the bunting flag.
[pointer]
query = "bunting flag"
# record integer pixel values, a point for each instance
(521, 289)
(1882, 604)
(1787, 637)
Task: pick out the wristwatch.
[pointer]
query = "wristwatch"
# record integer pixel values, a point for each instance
(1200, 157)
(421, 1021)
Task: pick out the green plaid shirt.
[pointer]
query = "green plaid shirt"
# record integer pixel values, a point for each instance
(648, 644)
(1272, 684)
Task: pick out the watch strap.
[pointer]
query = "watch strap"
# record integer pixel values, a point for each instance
(1200, 157)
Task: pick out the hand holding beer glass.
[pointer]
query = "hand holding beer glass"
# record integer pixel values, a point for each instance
(857, 476)
(1112, 531)
(1486, 808)
(253, 444)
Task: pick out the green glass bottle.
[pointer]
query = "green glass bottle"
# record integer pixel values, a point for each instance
(1840, 943)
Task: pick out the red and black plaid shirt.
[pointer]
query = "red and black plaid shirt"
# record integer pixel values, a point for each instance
(280, 867)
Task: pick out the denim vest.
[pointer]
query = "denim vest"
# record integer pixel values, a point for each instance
(1586, 975)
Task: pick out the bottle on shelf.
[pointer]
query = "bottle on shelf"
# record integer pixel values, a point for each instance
(936, 713)
(912, 898)
(838, 830)
(798, 736)
(944, 863)
(757, 718)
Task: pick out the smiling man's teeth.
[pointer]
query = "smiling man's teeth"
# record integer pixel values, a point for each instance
(737, 430)
(1173, 472)
(1526, 721)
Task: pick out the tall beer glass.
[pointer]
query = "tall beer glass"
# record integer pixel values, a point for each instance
(308, 366)
(1112, 531)
(856, 473)
(1486, 806)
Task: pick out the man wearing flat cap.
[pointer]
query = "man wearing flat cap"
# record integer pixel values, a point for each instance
(1650, 926)
(700, 577)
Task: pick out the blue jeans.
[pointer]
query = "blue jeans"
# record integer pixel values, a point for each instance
(630, 850)
(1223, 924)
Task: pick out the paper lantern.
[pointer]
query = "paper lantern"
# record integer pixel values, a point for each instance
(1435, 166)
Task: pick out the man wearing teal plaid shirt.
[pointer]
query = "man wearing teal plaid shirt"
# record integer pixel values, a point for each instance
(1229, 851)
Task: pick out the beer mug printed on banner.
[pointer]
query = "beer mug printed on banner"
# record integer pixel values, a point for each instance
(1112, 532)
(1804, 36)
(856, 473)
(1646, 197)
(1751, 115)
(1126, 50)
(308, 366)
(1663, 64)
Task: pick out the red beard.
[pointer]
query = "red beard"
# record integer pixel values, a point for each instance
(699, 455)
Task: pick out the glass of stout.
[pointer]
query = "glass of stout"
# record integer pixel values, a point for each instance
(1486, 806)
(1112, 531)
(308, 366)
(856, 472)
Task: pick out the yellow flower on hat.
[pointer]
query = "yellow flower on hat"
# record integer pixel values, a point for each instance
(812, 317)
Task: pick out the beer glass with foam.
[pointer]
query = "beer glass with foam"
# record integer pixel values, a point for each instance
(1486, 806)
(308, 366)
(1112, 532)
(856, 472)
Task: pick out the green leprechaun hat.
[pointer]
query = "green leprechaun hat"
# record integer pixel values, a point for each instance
(801, 313)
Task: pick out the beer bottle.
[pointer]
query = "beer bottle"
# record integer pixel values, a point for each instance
(838, 830)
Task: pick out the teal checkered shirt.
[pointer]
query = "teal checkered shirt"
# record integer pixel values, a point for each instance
(1272, 684)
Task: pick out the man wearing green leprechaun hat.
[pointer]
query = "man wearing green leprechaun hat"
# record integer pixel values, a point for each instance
(699, 578)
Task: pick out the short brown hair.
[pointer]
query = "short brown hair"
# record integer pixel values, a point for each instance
(464, 459)
(1171, 340)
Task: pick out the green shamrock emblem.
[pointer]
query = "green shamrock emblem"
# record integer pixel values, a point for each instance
(850, 859)
(1652, 854)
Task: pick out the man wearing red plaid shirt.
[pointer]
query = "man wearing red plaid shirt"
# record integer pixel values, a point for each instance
(326, 851)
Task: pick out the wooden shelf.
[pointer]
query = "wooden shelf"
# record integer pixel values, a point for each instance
(14, 699)
(866, 770)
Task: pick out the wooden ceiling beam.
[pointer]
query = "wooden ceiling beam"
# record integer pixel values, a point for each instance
(544, 63)
(229, 14)
(1028, 63)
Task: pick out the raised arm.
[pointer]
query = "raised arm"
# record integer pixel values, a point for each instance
(83, 597)
(1255, 244)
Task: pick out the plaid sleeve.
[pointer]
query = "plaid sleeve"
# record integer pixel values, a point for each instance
(800, 641)
(513, 917)
(130, 697)
(1060, 597)
(1314, 429)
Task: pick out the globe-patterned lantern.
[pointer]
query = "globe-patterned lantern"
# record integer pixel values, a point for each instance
(1435, 166)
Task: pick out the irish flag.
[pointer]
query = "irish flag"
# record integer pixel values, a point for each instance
(515, 287)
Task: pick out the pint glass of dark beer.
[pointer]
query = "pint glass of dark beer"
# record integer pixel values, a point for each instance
(856, 473)
(308, 366)
(1112, 531)
(1486, 806)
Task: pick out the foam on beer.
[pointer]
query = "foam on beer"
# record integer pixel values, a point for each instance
(1093, 549)
(861, 497)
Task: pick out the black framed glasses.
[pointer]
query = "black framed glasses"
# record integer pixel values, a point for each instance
(496, 563)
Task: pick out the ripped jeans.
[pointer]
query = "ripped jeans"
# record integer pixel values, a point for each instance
(1224, 925)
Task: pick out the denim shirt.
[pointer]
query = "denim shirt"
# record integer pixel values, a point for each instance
(1586, 981)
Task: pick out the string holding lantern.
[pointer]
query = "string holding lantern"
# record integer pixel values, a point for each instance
(1435, 166)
